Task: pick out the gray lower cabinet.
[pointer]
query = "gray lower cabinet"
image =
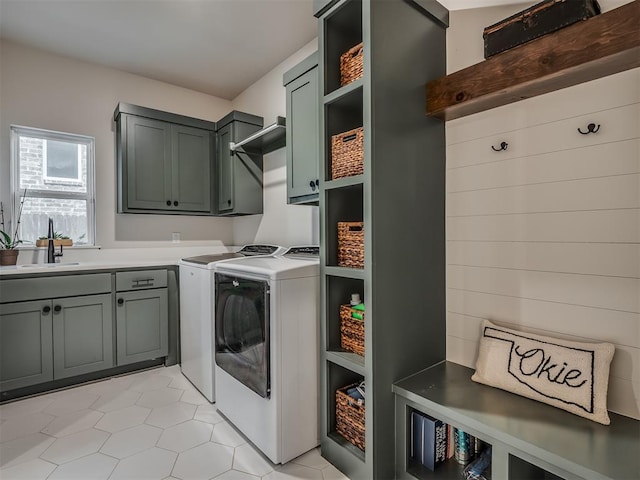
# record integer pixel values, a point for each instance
(26, 351)
(303, 132)
(164, 162)
(82, 335)
(142, 325)
(239, 173)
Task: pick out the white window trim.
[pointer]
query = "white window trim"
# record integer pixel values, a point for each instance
(45, 159)
(16, 132)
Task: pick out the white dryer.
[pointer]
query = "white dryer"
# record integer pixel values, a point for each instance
(266, 344)
(196, 313)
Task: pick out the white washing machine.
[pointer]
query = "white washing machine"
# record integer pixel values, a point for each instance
(266, 344)
(196, 313)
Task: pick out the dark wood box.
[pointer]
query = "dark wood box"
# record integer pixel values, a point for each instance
(540, 19)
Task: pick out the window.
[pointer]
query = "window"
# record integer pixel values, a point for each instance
(56, 171)
(62, 161)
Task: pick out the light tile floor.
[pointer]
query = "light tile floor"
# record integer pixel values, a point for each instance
(147, 425)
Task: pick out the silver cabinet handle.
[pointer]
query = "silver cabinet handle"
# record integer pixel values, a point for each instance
(143, 282)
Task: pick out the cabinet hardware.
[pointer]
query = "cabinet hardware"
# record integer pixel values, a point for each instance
(503, 146)
(175, 203)
(120, 301)
(591, 128)
(168, 203)
(317, 182)
(312, 184)
(143, 282)
(46, 309)
(57, 308)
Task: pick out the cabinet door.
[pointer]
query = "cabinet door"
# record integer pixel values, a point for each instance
(142, 324)
(82, 335)
(26, 354)
(302, 138)
(191, 172)
(225, 170)
(148, 157)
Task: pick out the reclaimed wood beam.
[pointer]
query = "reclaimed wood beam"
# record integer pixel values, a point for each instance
(602, 45)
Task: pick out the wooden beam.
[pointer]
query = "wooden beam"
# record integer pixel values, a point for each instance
(602, 45)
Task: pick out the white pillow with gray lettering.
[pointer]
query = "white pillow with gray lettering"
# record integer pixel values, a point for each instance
(573, 376)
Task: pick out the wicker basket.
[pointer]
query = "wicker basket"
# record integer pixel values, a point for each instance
(351, 330)
(351, 67)
(350, 417)
(347, 153)
(351, 244)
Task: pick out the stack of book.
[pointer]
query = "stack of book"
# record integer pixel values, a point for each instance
(433, 442)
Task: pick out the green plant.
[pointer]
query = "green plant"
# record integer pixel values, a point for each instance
(7, 241)
(56, 236)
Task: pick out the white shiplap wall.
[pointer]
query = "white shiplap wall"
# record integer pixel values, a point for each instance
(545, 236)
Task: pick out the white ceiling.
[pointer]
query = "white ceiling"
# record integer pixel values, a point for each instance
(219, 47)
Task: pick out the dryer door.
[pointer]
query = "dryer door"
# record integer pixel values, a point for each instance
(242, 331)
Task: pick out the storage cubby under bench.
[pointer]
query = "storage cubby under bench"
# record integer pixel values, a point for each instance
(529, 440)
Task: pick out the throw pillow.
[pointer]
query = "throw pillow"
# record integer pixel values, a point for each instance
(573, 376)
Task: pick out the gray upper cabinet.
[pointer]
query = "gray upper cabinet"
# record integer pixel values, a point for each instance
(164, 162)
(26, 352)
(303, 113)
(191, 151)
(148, 162)
(82, 335)
(239, 173)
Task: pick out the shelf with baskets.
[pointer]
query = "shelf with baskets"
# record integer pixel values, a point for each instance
(346, 422)
(382, 196)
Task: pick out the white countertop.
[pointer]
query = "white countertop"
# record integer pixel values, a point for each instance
(107, 259)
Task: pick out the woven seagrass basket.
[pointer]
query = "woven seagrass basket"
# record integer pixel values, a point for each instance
(351, 244)
(347, 153)
(350, 417)
(351, 65)
(351, 330)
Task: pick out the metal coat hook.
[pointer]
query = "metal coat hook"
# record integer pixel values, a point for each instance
(591, 128)
(503, 146)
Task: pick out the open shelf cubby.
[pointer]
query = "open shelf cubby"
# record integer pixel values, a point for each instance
(339, 290)
(343, 27)
(451, 469)
(522, 470)
(343, 205)
(342, 115)
(339, 377)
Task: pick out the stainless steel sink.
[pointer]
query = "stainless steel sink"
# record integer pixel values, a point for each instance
(48, 265)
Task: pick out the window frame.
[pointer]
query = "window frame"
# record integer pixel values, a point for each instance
(17, 131)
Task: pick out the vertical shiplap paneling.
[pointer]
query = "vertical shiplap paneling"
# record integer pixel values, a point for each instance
(545, 237)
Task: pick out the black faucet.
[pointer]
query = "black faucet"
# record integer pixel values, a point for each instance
(51, 249)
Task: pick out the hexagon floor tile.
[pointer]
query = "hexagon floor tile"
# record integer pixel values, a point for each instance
(247, 460)
(23, 449)
(131, 441)
(148, 425)
(122, 419)
(74, 446)
(292, 470)
(150, 464)
(72, 423)
(185, 436)
(204, 461)
(111, 401)
(91, 467)
(160, 397)
(24, 425)
(170, 415)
